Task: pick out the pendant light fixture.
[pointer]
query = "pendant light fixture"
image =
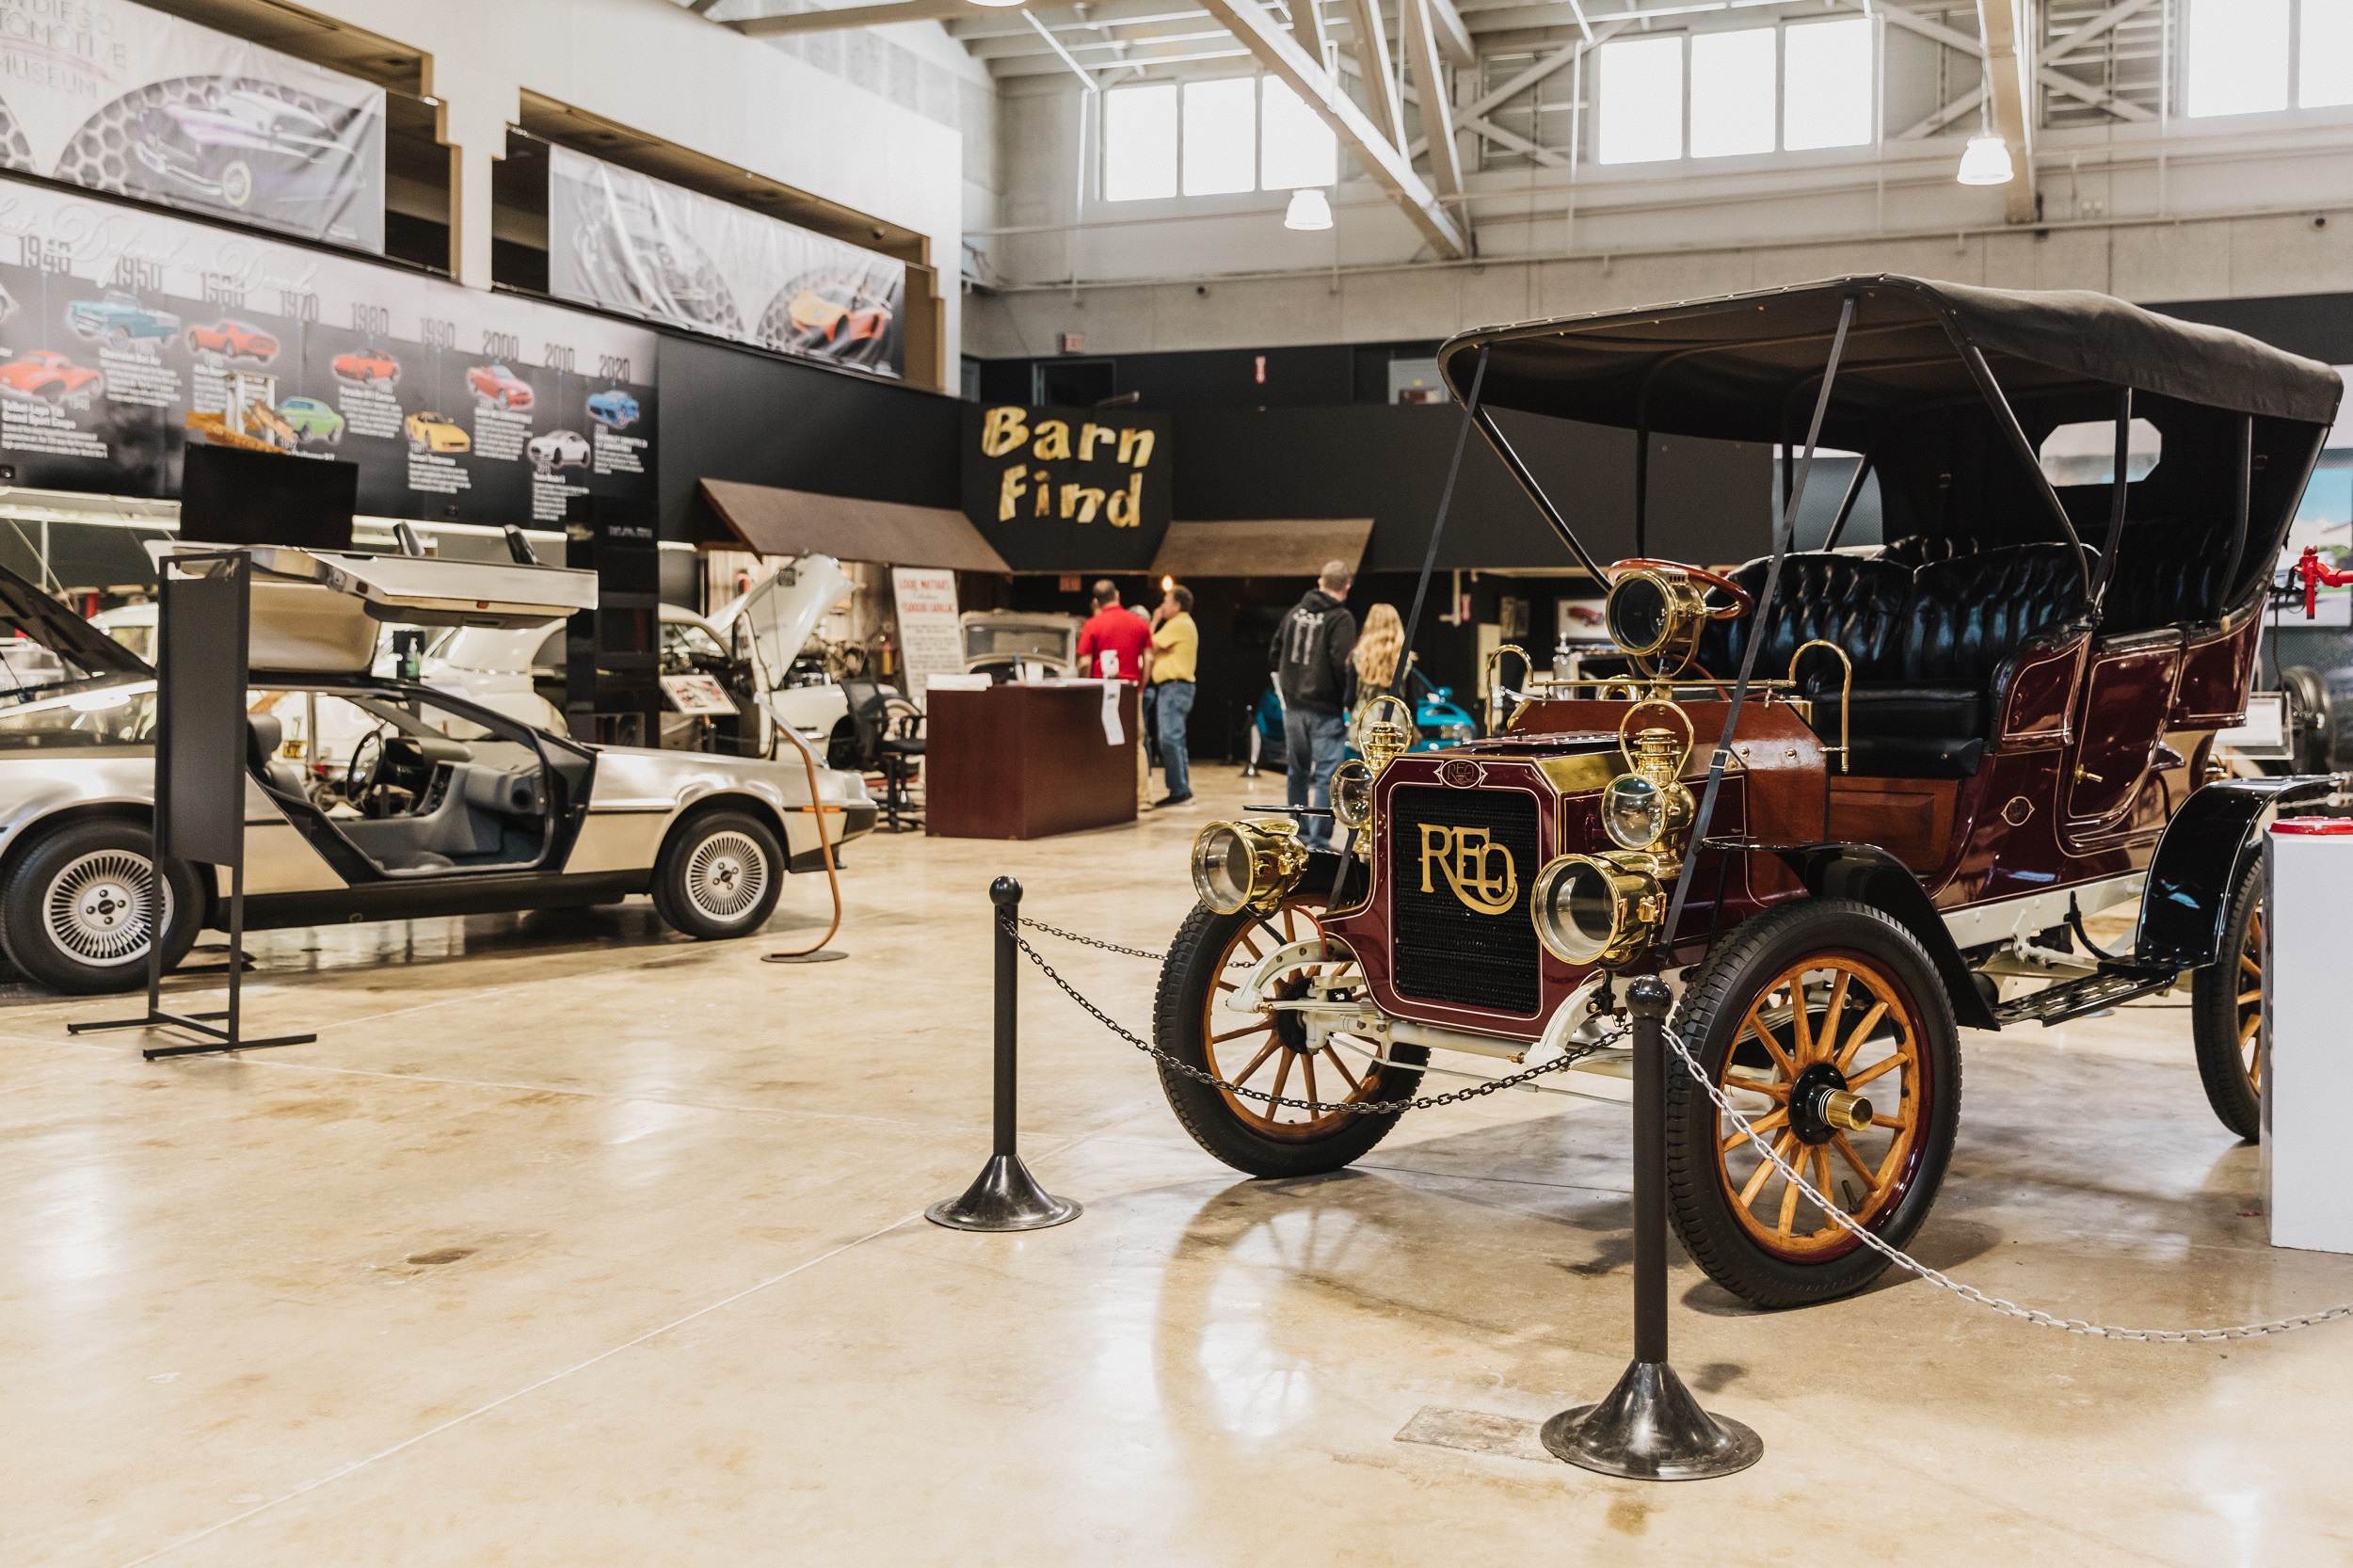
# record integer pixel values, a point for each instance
(1986, 161)
(1308, 210)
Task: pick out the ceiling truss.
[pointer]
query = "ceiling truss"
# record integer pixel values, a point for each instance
(1396, 49)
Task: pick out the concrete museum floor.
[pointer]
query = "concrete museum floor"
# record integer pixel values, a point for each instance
(571, 1241)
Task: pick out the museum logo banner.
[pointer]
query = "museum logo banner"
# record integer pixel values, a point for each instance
(115, 97)
(125, 333)
(622, 241)
(1068, 489)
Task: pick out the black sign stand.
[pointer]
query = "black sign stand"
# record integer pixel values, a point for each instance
(201, 743)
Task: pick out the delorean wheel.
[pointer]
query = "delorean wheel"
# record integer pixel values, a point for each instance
(78, 908)
(1814, 1000)
(1212, 956)
(718, 875)
(2226, 1012)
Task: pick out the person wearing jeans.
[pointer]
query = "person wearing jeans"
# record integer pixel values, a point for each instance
(1310, 654)
(1175, 647)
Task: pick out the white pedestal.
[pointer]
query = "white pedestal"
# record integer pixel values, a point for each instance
(2308, 1041)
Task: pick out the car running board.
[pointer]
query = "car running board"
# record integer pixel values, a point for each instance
(2072, 999)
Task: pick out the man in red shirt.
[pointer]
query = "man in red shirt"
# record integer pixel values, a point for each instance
(1115, 641)
(1115, 644)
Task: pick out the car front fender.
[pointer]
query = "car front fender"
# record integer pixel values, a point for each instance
(1869, 874)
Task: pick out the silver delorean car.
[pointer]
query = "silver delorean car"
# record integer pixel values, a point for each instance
(442, 805)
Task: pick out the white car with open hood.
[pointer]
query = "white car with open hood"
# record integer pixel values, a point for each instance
(443, 805)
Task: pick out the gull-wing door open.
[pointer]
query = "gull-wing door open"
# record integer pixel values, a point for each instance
(318, 611)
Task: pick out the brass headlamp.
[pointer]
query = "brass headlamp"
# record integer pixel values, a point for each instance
(1247, 864)
(1656, 613)
(1649, 802)
(1598, 908)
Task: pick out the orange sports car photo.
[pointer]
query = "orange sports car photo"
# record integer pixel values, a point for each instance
(367, 369)
(45, 375)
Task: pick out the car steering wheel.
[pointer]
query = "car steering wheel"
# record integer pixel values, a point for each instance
(367, 761)
(1743, 601)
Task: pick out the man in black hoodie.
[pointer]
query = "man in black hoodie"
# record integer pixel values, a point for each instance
(1313, 675)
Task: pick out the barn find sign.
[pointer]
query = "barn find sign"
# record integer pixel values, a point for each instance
(1068, 489)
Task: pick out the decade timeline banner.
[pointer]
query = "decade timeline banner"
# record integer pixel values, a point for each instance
(117, 324)
(622, 241)
(115, 97)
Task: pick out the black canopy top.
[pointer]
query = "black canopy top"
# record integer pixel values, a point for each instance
(1745, 367)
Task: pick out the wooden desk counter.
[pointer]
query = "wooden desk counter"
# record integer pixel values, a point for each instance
(1026, 760)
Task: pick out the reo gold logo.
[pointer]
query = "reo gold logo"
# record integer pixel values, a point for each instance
(1469, 859)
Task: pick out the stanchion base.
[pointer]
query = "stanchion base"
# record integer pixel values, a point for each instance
(822, 955)
(1650, 1428)
(1004, 1196)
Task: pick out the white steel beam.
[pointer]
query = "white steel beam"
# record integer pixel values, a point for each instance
(1453, 37)
(1280, 54)
(2007, 53)
(1372, 64)
(1430, 76)
(851, 16)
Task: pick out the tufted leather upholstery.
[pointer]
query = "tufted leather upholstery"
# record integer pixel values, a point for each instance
(1971, 613)
(1859, 604)
(1918, 549)
(2165, 575)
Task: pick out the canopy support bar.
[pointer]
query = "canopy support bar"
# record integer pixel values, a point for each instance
(2243, 504)
(1846, 502)
(1983, 375)
(2118, 476)
(1535, 492)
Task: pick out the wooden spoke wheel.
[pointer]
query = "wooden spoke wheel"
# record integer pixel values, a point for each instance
(1797, 1015)
(1270, 1049)
(2225, 1012)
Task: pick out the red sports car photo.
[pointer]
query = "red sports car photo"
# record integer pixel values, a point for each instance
(45, 375)
(496, 384)
(367, 369)
(234, 339)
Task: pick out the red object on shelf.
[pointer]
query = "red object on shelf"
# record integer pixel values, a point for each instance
(2315, 827)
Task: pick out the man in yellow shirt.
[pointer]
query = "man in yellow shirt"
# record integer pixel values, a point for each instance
(1175, 647)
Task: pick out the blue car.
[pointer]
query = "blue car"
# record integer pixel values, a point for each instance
(119, 318)
(1439, 721)
(614, 409)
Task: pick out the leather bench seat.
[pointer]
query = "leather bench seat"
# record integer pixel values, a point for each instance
(1928, 644)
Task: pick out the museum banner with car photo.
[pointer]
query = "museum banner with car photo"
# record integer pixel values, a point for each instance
(126, 333)
(117, 97)
(622, 241)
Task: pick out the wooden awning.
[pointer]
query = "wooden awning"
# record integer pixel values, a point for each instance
(1277, 547)
(769, 520)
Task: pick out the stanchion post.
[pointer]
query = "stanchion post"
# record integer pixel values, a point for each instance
(1650, 1428)
(1004, 1196)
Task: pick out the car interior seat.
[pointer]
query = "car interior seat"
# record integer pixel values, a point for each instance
(265, 735)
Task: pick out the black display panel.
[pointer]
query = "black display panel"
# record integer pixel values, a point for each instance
(200, 753)
(229, 496)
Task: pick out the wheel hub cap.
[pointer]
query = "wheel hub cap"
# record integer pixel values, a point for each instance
(1821, 1106)
(726, 875)
(98, 907)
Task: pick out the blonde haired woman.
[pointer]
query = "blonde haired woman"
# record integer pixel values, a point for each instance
(1381, 664)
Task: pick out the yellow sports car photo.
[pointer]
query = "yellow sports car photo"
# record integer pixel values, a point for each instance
(430, 432)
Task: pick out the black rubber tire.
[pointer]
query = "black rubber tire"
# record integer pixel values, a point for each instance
(1715, 1005)
(24, 931)
(677, 904)
(1194, 963)
(2309, 726)
(2216, 1015)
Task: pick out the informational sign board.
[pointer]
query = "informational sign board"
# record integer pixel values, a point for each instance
(1068, 489)
(624, 241)
(928, 633)
(200, 688)
(120, 326)
(115, 97)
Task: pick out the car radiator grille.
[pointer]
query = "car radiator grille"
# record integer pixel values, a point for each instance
(1442, 948)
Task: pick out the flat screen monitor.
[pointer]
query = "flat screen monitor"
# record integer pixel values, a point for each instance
(230, 496)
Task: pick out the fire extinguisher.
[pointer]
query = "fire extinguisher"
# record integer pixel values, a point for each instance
(883, 664)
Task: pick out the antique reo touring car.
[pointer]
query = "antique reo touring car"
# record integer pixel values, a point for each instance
(1836, 795)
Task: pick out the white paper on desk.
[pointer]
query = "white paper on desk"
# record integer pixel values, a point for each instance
(1114, 732)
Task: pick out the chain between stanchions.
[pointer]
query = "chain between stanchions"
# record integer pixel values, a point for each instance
(1352, 1108)
(1970, 1292)
(1722, 1102)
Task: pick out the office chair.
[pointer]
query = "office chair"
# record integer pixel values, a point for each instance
(887, 738)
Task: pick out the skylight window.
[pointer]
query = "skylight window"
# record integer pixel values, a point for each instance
(1640, 106)
(2236, 56)
(1221, 137)
(1296, 147)
(1732, 92)
(1827, 86)
(1140, 143)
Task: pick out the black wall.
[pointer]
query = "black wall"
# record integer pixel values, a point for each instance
(763, 419)
(2317, 326)
(1709, 501)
